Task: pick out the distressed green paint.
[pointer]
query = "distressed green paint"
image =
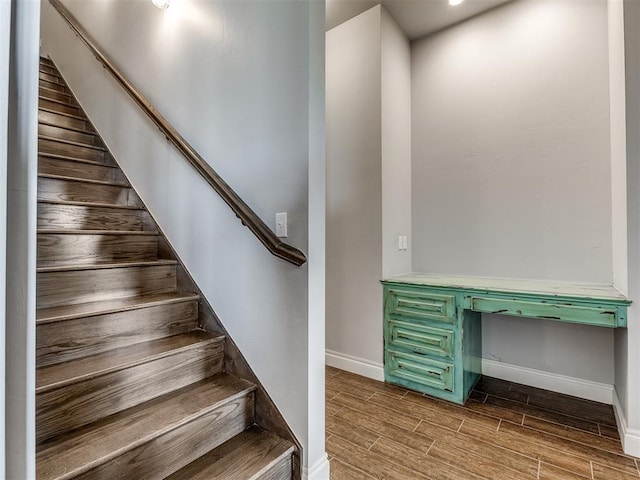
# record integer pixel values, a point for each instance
(421, 339)
(433, 328)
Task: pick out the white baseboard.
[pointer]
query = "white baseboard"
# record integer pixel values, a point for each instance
(577, 387)
(318, 471)
(356, 365)
(630, 437)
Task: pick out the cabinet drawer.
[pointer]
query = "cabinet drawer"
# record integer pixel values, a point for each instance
(421, 370)
(553, 311)
(424, 306)
(420, 339)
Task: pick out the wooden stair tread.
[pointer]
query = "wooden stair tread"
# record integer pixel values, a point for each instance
(52, 91)
(71, 142)
(46, 101)
(67, 312)
(64, 114)
(64, 127)
(51, 78)
(95, 444)
(89, 204)
(83, 180)
(58, 156)
(247, 456)
(67, 268)
(63, 374)
(62, 231)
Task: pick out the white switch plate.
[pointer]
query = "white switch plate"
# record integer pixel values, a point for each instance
(281, 224)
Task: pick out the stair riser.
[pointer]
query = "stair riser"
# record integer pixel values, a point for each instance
(63, 120)
(87, 249)
(72, 406)
(53, 85)
(58, 107)
(53, 94)
(170, 452)
(281, 471)
(48, 77)
(79, 286)
(75, 151)
(64, 134)
(67, 168)
(55, 189)
(76, 217)
(70, 339)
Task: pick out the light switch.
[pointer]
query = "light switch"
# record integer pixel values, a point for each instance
(281, 224)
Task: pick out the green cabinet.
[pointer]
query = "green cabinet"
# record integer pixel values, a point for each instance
(425, 344)
(433, 329)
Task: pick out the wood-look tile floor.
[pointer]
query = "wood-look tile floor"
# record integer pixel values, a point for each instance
(505, 431)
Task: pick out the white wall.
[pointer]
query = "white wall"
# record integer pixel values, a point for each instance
(19, 120)
(317, 469)
(235, 78)
(511, 166)
(354, 188)
(368, 181)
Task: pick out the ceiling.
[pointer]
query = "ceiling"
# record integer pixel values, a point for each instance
(417, 18)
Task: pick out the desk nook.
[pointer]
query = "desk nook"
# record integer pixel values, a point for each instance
(433, 330)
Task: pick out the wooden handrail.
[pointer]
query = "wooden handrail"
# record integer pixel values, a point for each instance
(246, 215)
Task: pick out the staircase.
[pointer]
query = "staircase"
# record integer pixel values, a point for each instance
(129, 384)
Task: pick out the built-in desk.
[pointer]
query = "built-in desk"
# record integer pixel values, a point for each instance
(433, 330)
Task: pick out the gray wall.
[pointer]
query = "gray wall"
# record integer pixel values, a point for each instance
(354, 188)
(396, 146)
(235, 78)
(368, 178)
(511, 166)
(627, 341)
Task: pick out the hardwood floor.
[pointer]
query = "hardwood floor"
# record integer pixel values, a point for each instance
(505, 431)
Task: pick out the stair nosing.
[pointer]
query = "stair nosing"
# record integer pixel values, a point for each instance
(51, 90)
(157, 434)
(275, 443)
(90, 204)
(62, 231)
(71, 142)
(187, 297)
(58, 156)
(218, 338)
(60, 82)
(59, 102)
(70, 115)
(72, 129)
(92, 181)
(106, 266)
(289, 451)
